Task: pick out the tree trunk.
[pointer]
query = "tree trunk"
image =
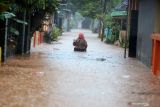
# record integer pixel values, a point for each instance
(100, 28)
(92, 25)
(102, 35)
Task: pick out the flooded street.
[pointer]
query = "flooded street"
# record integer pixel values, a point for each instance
(56, 76)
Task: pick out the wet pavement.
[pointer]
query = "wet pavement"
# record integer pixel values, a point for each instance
(56, 76)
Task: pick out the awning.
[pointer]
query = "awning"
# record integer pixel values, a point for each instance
(119, 13)
(20, 21)
(6, 15)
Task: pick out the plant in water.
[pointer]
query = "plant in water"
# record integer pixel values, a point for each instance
(55, 33)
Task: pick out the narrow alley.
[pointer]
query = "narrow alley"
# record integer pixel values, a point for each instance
(53, 75)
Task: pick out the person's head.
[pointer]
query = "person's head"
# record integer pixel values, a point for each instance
(81, 36)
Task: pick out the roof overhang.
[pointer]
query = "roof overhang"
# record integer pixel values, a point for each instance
(119, 14)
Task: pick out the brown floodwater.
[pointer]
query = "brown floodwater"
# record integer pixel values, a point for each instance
(53, 75)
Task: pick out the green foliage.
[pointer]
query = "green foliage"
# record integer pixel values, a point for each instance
(5, 5)
(115, 29)
(108, 21)
(122, 43)
(51, 6)
(110, 39)
(109, 8)
(112, 4)
(30, 5)
(98, 9)
(36, 5)
(92, 9)
(88, 8)
(14, 31)
(35, 11)
(55, 33)
(114, 33)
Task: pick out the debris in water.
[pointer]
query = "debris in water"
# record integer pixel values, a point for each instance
(138, 104)
(56, 49)
(126, 76)
(39, 74)
(100, 59)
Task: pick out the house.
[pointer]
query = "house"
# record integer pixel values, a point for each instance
(119, 14)
(143, 20)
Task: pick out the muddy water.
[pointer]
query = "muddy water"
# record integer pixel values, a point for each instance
(56, 76)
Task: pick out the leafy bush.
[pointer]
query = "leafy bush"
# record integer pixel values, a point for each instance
(115, 29)
(114, 36)
(110, 39)
(55, 33)
(108, 21)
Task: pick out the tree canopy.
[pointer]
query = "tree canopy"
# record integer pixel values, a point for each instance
(88, 8)
(93, 9)
(37, 5)
(5, 5)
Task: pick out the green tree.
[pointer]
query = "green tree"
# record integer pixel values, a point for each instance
(30, 11)
(97, 9)
(88, 8)
(5, 5)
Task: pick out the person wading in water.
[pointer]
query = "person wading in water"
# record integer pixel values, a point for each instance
(80, 44)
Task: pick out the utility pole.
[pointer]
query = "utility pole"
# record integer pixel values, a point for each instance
(68, 11)
(24, 30)
(5, 40)
(127, 28)
(68, 21)
(7, 16)
(100, 19)
(103, 12)
(29, 34)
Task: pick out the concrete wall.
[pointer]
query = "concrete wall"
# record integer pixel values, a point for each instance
(146, 26)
